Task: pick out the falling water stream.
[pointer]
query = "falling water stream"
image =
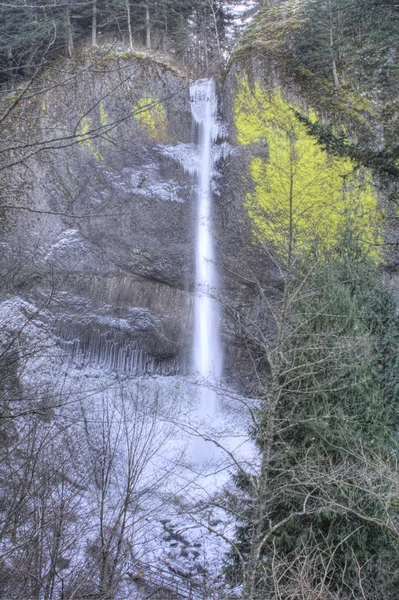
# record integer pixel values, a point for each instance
(207, 350)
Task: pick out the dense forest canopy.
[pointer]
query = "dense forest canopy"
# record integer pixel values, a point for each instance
(33, 33)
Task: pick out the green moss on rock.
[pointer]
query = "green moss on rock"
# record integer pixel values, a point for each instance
(151, 114)
(301, 197)
(86, 140)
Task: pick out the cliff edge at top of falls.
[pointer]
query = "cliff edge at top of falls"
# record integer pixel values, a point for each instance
(287, 46)
(98, 229)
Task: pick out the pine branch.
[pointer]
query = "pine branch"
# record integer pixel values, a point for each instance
(382, 161)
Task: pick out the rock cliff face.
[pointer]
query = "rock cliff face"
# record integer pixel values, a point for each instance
(281, 191)
(101, 235)
(102, 232)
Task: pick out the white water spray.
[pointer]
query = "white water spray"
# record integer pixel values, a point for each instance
(207, 351)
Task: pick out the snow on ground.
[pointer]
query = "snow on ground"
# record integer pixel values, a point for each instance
(187, 456)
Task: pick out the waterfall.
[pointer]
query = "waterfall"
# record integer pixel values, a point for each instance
(207, 348)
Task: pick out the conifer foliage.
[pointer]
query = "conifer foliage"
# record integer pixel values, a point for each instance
(32, 33)
(319, 519)
(358, 37)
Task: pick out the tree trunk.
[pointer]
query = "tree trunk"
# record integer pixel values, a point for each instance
(147, 27)
(335, 75)
(68, 33)
(129, 25)
(333, 61)
(94, 24)
(215, 23)
(257, 541)
(206, 58)
(165, 33)
(268, 436)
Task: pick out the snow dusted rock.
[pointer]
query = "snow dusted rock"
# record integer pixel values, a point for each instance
(102, 235)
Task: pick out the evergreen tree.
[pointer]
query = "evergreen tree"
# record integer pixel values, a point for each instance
(383, 161)
(34, 33)
(320, 517)
(357, 37)
(31, 34)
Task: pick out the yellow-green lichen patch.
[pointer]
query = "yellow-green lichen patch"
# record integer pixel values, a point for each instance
(103, 120)
(86, 131)
(302, 197)
(152, 117)
(103, 115)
